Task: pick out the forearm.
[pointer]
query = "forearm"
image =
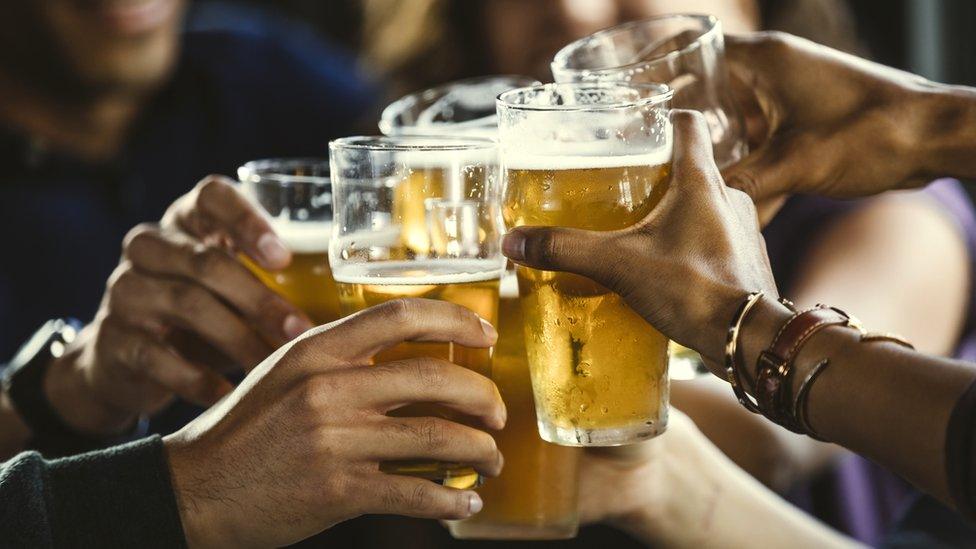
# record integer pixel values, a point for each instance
(946, 144)
(715, 504)
(880, 400)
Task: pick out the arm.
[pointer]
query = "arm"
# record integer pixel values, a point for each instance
(876, 260)
(880, 400)
(106, 498)
(679, 490)
(833, 124)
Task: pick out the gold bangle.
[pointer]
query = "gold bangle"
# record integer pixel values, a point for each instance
(731, 344)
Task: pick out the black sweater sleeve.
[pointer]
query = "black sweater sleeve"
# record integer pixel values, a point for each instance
(117, 497)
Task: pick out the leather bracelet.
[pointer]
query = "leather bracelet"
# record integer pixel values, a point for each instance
(731, 352)
(775, 364)
(800, 408)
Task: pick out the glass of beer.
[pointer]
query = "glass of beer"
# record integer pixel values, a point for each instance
(687, 52)
(536, 496)
(296, 195)
(592, 156)
(419, 217)
(463, 107)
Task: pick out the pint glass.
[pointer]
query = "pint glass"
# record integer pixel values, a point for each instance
(419, 217)
(687, 52)
(296, 195)
(463, 107)
(597, 157)
(536, 496)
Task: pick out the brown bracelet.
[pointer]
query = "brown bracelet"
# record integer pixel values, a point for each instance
(800, 408)
(774, 365)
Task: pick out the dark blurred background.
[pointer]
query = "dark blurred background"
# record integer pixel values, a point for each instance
(934, 38)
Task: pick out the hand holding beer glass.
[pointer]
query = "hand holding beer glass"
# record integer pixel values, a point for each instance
(590, 156)
(297, 197)
(418, 217)
(536, 496)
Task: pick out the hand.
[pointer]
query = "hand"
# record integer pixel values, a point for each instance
(829, 123)
(661, 491)
(178, 307)
(296, 447)
(686, 266)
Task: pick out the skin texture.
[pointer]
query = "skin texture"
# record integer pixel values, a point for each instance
(296, 447)
(179, 310)
(679, 490)
(75, 73)
(900, 420)
(834, 124)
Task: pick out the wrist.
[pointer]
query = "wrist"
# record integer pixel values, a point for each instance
(945, 142)
(758, 331)
(76, 402)
(200, 509)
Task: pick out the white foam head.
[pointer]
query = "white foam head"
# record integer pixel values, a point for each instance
(426, 272)
(304, 237)
(583, 156)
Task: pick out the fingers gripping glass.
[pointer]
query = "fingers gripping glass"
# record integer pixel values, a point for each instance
(598, 157)
(296, 196)
(419, 217)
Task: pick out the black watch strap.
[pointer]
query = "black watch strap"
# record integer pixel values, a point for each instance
(23, 382)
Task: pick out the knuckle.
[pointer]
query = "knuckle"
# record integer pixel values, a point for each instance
(123, 283)
(188, 299)
(212, 187)
(431, 434)
(399, 311)
(139, 354)
(139, 236)
(207, 262)
(429, 372)
(547, 247)
(420, 496)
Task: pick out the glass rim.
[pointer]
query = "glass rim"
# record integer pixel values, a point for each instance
(262, 171)
(412, 143)
(394, 109)
(711, 30)
(662, 93)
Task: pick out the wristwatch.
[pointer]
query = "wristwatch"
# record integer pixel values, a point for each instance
(23, 382)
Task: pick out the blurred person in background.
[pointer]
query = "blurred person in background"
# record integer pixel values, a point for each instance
(872, 255)
(110, 110)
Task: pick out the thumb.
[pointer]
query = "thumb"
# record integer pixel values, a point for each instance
(769, 172)
(556, 248)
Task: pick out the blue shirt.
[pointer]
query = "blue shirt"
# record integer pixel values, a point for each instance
(234, 97)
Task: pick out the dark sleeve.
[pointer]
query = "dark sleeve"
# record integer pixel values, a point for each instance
(960, 452)
(116, 497)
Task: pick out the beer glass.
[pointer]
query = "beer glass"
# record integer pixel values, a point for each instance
(419, 217)
(536, 496)
(687, 52)
(463, 107)
(592, 156)
(296, 195)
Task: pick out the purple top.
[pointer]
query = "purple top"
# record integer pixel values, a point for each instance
(858, 497)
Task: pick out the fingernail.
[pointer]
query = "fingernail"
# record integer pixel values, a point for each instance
(488, 329)
(273, 249)
(513, 246)
(474, 503)
(295, 326)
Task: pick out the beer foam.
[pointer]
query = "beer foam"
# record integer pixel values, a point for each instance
(425, 272)
(304, 237)
(448, 159)
(517, 160)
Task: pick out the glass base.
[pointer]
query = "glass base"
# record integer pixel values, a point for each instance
(446, 474)
(474, 529)
(617, 436)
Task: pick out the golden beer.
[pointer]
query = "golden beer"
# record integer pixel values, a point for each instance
(307, 281)
(470, 283)
(599, 371)
(536, 495)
